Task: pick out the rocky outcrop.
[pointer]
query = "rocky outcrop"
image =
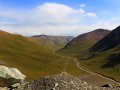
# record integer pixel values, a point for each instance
(10, 76)
(61, 81)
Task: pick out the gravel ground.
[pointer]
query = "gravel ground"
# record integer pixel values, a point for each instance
(61, 81)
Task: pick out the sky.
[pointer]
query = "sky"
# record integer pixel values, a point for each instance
(58, 17)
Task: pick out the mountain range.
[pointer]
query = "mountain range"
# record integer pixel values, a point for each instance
(37, 55)
(52, 42)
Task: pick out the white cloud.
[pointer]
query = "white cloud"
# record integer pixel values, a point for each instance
(48, 18)
(81, 11)
(91, 14)
(82, 5)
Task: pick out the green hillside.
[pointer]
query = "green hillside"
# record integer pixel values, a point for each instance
(31, 58)
(104, 56)
(83, 42)
(106, 63)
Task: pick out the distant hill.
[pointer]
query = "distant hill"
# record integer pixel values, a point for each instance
(105, 55)
(84, 41)
(52, 42)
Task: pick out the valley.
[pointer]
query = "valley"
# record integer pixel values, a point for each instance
(87, 56)
(32, 58)
(59, 45)
(102, 57)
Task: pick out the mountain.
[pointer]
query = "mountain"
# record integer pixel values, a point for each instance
(110, 41)
(84, 41)
(105, 56)
(52, 42)
(31, 58)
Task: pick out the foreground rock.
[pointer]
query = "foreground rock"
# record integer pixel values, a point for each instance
(61, 81)
(10, 76)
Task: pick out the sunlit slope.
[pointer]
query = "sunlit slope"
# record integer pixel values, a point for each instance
(31, 58)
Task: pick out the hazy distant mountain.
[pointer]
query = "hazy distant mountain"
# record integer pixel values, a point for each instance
(52, 42)
(84, 41)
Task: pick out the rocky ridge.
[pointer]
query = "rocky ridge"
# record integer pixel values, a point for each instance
(62, 81)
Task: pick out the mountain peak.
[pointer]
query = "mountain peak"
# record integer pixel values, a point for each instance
(100, 30)
(118, 28)
(108, 42)
(85, 40)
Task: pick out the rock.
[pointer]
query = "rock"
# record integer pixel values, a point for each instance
(3, 88)
(106, 86)
(61, 81)
(10, 76)
(15, 86)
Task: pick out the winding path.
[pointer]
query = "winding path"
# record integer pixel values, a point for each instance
(93, 73)
(88, 71)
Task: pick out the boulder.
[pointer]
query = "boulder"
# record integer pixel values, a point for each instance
(3, 88)
(10, 76)
(62, 81)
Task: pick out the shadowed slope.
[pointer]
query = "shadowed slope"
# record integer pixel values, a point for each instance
(108, 42)
(105, 56)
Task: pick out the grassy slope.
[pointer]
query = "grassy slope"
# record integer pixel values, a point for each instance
(96, 64)
(74, 50)
(83, 42)
(105, 56)
(72, 69)
(30, 58)
(77, 45)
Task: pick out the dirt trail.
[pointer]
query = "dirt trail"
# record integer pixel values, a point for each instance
(95, 74)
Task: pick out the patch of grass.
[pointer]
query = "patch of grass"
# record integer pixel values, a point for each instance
(75, 49)
(74, 70)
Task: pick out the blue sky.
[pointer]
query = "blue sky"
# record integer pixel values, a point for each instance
(58, 17)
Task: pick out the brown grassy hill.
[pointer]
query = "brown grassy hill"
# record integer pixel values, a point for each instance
(52, 42)
(104, 56)
(31, 58)
(108, 42)
(84, 41)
